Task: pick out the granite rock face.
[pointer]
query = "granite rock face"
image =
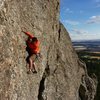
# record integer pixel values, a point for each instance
(60, 72)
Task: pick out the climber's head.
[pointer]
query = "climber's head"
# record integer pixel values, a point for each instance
(34, 39)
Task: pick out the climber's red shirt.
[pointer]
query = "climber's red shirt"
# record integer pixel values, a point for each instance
(34, 47)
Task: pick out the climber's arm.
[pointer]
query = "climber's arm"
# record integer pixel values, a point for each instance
(24, 30)
(30, 35)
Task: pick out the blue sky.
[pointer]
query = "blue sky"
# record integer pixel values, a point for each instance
(81, 18)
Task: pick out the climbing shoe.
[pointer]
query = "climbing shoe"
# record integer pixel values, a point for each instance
(34, 71)
(28, 72)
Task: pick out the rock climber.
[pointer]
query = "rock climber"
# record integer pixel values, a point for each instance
(32, 49)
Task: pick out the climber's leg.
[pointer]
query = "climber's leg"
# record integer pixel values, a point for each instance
(27, 65)
(30, 63)
(34, 69)
(33, 57)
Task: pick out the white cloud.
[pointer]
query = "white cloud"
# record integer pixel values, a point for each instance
(79, 34)
(68, 11)
(94, 19)
(77, 31)
(81, 11)
(85, 36)
(98, 5)
(97, 2)
(71, 22)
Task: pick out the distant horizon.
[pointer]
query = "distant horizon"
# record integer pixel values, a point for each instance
(85, 40)
(81, 18)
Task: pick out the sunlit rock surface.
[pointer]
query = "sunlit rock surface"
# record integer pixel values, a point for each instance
(60, 72)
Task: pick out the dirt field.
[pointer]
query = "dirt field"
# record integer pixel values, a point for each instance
(94, 57)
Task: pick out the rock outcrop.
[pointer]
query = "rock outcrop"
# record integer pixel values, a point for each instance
(60, 72)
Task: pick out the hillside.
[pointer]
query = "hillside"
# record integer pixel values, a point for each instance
(61, 75)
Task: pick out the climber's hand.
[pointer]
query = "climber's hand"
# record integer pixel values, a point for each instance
(24, 29)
